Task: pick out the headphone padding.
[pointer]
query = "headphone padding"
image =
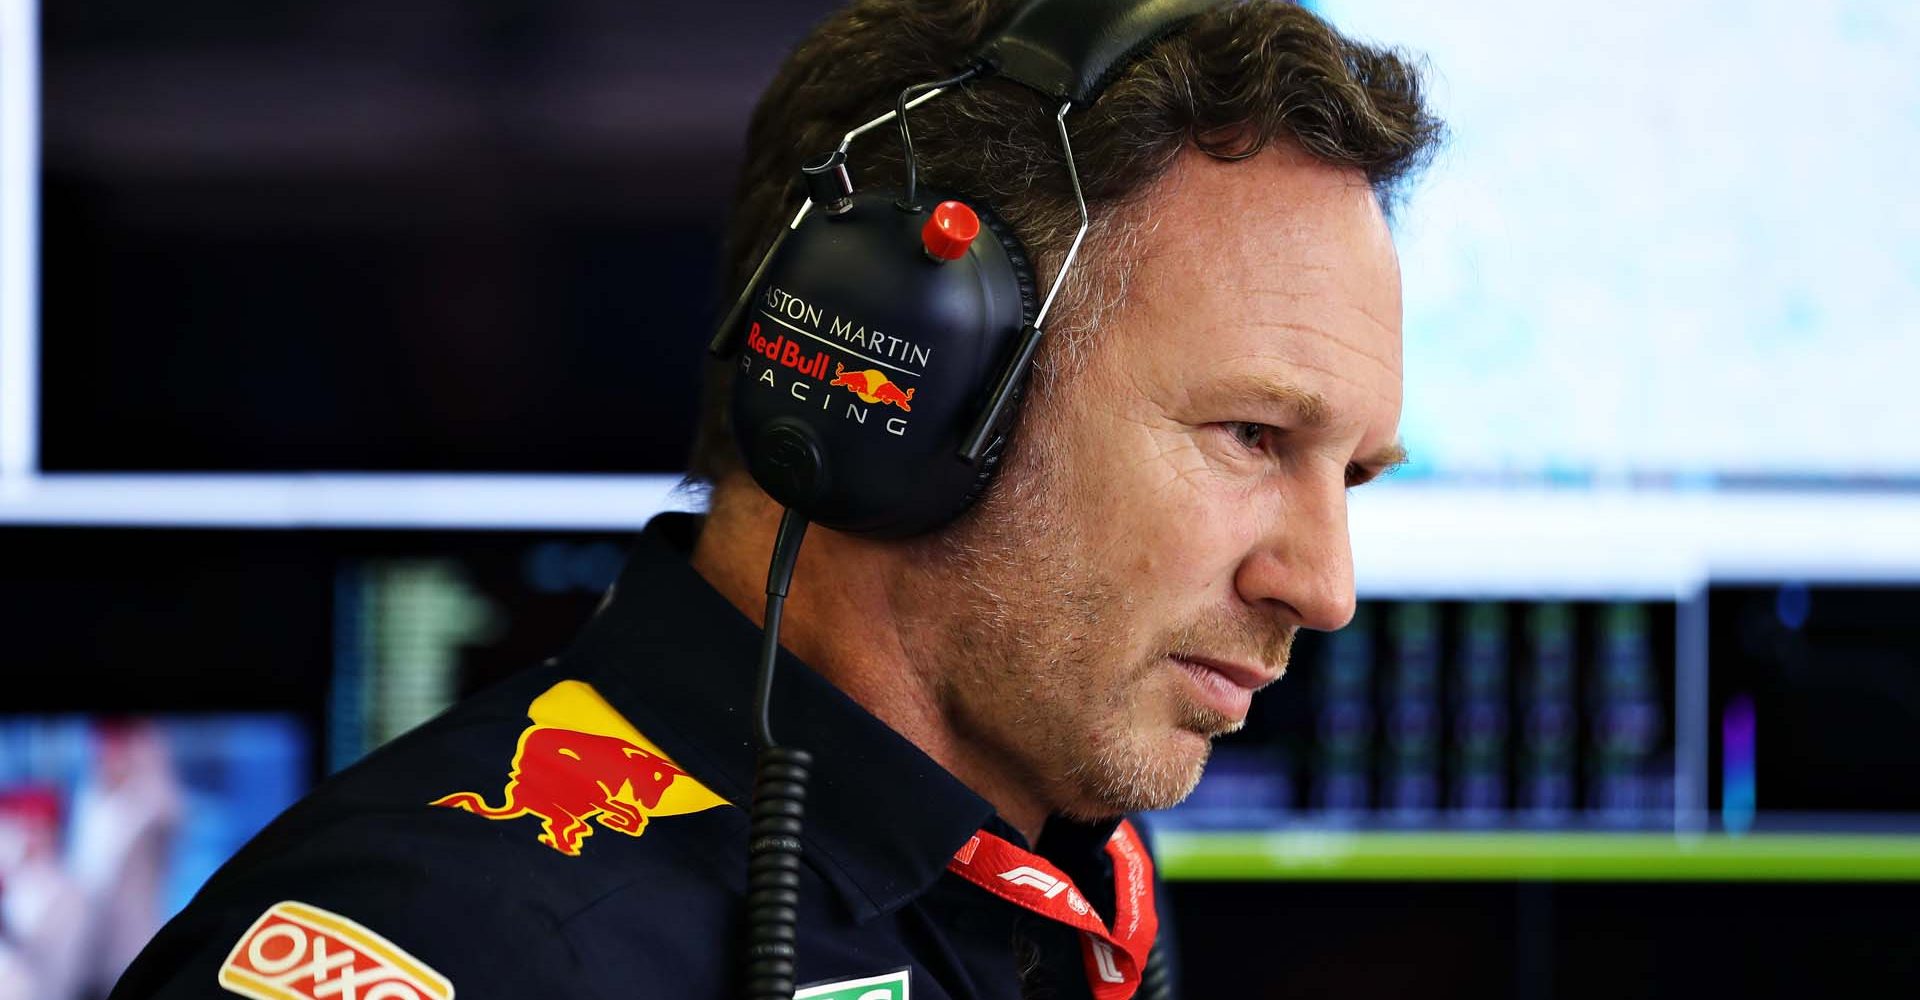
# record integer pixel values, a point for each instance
(1029, 307)
(1017, 254)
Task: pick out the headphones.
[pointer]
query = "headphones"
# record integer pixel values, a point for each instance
(882, 343)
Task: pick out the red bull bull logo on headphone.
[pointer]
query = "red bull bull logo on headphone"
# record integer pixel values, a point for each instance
(872, 386)
(580, 764)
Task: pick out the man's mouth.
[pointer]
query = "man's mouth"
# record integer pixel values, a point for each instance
(1224, 686)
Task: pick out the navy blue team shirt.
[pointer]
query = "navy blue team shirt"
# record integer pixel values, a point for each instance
(479, 856)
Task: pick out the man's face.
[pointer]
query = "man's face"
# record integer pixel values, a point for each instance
(1177, 508)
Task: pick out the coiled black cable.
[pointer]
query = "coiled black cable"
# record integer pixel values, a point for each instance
(1156, 983)
(779, 804)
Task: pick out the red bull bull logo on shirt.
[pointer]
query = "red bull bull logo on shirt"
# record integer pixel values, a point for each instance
(582, 763)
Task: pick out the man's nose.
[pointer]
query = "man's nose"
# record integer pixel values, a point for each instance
(1304, 557)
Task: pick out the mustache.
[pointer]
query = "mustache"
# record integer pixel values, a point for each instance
(1258, 641)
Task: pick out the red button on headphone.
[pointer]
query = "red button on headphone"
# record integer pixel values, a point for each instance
(950, 231)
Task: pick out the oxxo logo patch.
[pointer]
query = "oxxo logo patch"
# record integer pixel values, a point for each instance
(301, 952)
(886, 986)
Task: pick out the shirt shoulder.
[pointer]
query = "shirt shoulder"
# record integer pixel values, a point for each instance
(479, 848)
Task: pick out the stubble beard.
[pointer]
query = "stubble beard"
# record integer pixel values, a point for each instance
(1034, 658)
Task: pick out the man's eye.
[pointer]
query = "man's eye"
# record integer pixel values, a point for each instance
(1250, 435)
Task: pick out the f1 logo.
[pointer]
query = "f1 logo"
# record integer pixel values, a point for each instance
(1034, 878)
(1103, 963)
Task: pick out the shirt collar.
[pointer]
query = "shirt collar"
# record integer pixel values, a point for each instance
(674, 656)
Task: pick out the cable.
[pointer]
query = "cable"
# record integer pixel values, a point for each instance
(1156, 983)
(786, 552)
(912, 200)
(779, 803)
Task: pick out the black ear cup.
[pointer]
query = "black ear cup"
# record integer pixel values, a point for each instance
(865, 359)
(1016, 256)
(989, 463)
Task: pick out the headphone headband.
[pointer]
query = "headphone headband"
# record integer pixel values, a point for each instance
(1069, 49)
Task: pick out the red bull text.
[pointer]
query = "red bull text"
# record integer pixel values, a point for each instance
(787, 353)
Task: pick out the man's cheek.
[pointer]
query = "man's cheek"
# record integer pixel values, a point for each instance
(1166, 542)
(1169, 566)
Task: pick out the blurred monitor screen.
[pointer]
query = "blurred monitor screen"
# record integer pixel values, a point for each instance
(1667, 242)
(338, 235)
(1815, 690)
(109, 825)
(1573, 716)
(1489, 715)
(361, 634)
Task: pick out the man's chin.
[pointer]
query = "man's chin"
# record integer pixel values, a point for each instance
(1212, 729)
(1194, 719)
(1145, 776)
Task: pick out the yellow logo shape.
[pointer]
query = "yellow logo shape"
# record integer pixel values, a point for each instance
(581, 760)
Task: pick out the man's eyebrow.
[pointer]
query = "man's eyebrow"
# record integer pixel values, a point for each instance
(1313, 411)
(1309, 406)
(1385, 460)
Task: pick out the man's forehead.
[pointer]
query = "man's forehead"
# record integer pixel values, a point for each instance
(1263, 202)
(1272, 229)
(1321, 340)
(1278, 252)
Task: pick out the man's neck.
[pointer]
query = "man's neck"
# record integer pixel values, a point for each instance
(841, 620)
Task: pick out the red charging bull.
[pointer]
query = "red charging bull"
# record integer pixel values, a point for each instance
(567, 778)
(872, 387)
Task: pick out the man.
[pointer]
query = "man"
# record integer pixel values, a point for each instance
(1224, 366)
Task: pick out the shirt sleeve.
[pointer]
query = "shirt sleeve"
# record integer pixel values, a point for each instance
(371, 927)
